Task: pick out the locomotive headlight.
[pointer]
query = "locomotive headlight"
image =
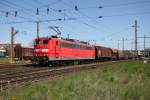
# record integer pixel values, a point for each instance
(41, 50)
(36, 50)
(44, 50)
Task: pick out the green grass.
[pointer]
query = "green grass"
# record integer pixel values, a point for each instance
(126, 81)
(4, 60)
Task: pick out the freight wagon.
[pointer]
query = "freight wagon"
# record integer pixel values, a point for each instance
(121, 54)
(114, 54)
(103, 53)
(25, 53)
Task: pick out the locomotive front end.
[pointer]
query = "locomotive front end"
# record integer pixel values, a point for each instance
(41, 50)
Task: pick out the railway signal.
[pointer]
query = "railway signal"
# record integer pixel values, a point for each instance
(118, 44)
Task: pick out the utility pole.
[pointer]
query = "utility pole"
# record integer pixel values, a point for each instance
(144, 44)
(122, 44)
(118, 44)
(11, 45)
(64, 14)
(135, 37)
(13, 33)
(131, 45)
(38, 29)
(135, 42)
(68, 36)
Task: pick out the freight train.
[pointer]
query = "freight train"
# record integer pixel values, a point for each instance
(53, 50)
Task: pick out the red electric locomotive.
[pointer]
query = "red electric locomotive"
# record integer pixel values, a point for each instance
(53, 49)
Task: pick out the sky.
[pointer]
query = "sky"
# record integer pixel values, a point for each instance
(82, 23)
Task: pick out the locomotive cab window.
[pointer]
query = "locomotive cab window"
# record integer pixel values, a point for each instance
(45, 41)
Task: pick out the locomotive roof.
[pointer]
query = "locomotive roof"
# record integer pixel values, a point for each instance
(103, 47)
(75, 42)
(66, 40)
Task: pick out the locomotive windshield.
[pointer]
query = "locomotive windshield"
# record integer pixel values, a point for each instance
(45, 41)
(37, 41)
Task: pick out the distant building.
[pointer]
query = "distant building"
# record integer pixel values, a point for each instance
(2, 53)
(5, 49)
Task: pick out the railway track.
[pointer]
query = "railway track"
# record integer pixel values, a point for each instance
(50, 73)
(8, 65)
(18, 69)
(3, 65)
(13, 74)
